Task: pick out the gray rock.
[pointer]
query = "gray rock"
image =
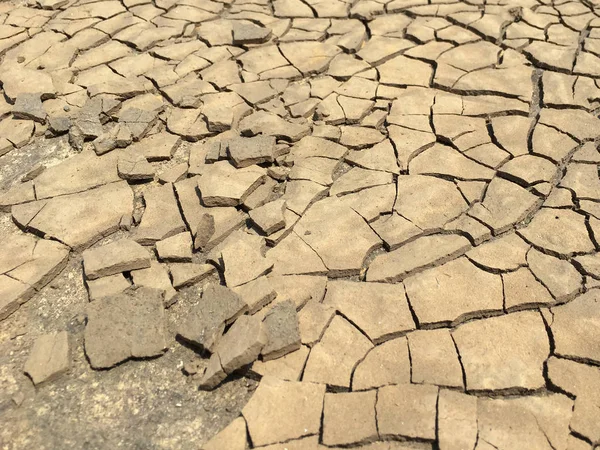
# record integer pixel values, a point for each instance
(256, 294)
(213, 151)
(134, 167)
(174, 174)
(87, 124)
(139, 121)
(186, 274)
(33, 173)
(242, 343)
(177, 248)
(255, 150)
(213, 375)
(282, 330)
(206, 320)
(204, 231)
(156, 277)
(59, 124)
(29, 106)
(124, 326)
(269, 218)
(107, 286)
(162, 218)
(120, 256)
(106, 142)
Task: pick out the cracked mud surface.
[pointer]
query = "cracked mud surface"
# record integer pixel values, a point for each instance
(299, 224)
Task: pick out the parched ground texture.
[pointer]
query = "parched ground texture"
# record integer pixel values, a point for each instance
(300, 224)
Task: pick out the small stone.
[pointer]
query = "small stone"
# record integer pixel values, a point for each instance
(295, 407)
(261, 195)
(107, 286)
(255, 150)
(158, 147)
(29, 106)
(232, 437)
(177, 248)
(120, 256)
(124, 326)
(434, 358)
(263, 122)
(242, 343)
(59, 124)
(256, 294)
(49, 357)
(349, 418)
(134, 167)
(156, 277)
(105, 142)
(269, 217)
(224, 185)
(18, 398)
(283, 334)
(503, 353)
(407, 410)
(138, 121)
(278, 173)
(205, 230)
(162, 218)
(193, 367)
(33, 173)
(213, 375)
(205, 321)
(187, 274)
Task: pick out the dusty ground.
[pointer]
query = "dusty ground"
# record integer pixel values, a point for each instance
(368, 224)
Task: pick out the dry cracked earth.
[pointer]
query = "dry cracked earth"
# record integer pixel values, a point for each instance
(300, 224)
